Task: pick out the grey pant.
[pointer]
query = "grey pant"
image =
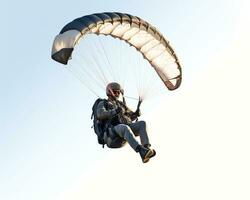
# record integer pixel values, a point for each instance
(128, 132)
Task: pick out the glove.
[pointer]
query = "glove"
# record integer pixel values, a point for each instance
(138, 112)
(118, 110)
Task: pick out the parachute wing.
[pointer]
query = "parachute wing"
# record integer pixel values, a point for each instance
(131, 29)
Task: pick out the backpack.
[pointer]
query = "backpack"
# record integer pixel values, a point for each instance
(98, 125)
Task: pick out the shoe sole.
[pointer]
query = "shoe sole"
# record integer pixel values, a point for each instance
(149, 155)
(153, 153)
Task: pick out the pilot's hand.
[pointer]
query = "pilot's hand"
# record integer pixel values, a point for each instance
(138, 112)
(118, 110)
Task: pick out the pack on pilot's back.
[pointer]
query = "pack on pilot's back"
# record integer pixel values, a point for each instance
(98, 125)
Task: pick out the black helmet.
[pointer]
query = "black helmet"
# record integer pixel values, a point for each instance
(112, 87)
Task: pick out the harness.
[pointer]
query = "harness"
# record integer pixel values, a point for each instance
(104, 129)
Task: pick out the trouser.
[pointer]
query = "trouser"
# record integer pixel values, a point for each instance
(128, 132)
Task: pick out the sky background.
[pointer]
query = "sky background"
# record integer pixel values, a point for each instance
(201, 132)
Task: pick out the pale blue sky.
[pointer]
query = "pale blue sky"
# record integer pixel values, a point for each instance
(45, 139)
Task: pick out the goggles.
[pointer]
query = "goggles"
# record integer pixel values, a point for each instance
(117, 92)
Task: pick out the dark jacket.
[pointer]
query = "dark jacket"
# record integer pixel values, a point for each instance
(106, 110)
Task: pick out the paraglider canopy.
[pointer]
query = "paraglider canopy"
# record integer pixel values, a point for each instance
(131, 29)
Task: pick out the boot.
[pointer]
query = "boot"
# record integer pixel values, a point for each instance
(147, 146)
(145, 153)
